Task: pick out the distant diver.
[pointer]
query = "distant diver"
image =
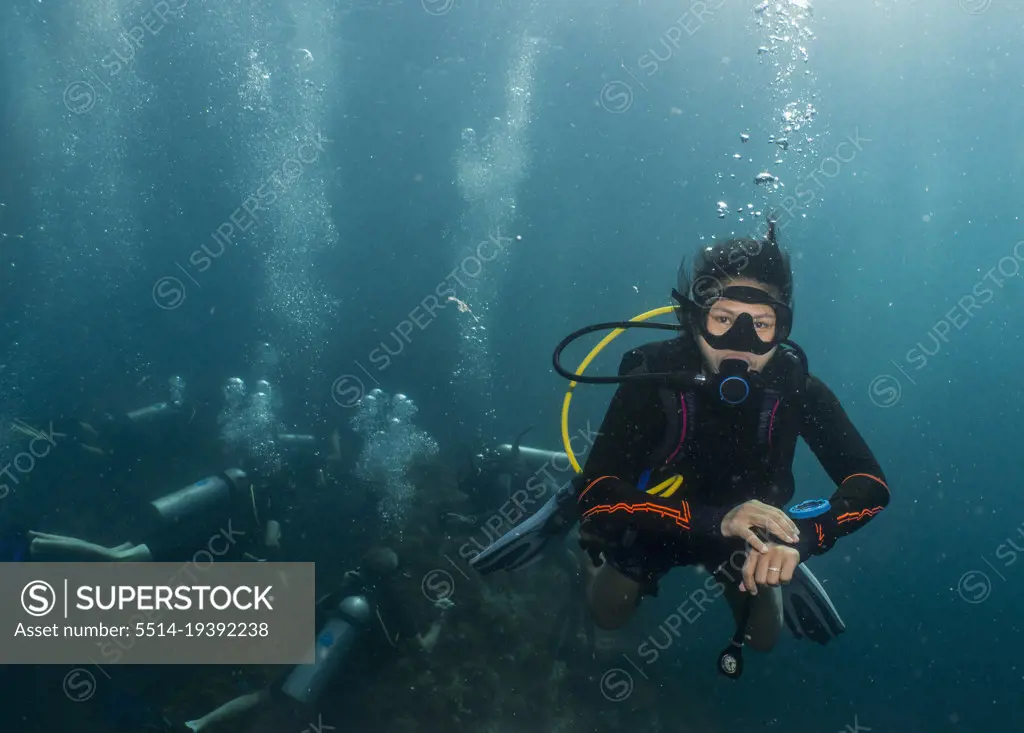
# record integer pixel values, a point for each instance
(238, 513)
(370, 599)
(489, 476)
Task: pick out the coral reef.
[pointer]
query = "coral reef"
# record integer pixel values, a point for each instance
(492, 669)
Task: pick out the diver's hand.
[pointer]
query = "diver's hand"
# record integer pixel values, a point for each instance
(771, 568)
(741, 521)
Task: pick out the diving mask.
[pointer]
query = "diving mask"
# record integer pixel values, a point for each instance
(726, 331)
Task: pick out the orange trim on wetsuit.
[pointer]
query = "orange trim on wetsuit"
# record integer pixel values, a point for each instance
(868, 475)
(591, 485)
(819, 532)
(863, 514)
(858, 516)
(868, 512)
(616, 505)
(680, 516)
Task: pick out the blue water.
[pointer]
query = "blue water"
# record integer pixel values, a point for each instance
(593, 139)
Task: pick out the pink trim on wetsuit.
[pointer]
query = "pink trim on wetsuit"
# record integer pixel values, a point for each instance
(682, 434)
(771, 422)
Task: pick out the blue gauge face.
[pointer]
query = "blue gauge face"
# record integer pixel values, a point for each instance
(811, 508)
(730, 385)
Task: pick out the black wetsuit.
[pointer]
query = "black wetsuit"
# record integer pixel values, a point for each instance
(726, 454)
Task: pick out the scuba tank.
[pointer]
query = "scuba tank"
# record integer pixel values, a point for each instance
(151, 413)
(534, 458)
(204, 498)
(307, 681)
(158, 410)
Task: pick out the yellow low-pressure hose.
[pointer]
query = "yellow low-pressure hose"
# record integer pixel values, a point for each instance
(582, 367)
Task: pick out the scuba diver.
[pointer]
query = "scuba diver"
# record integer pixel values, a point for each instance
(103, 453)
(370, 596)
(693, 462)
(132, 433)
(491, 476)
(229, 515)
